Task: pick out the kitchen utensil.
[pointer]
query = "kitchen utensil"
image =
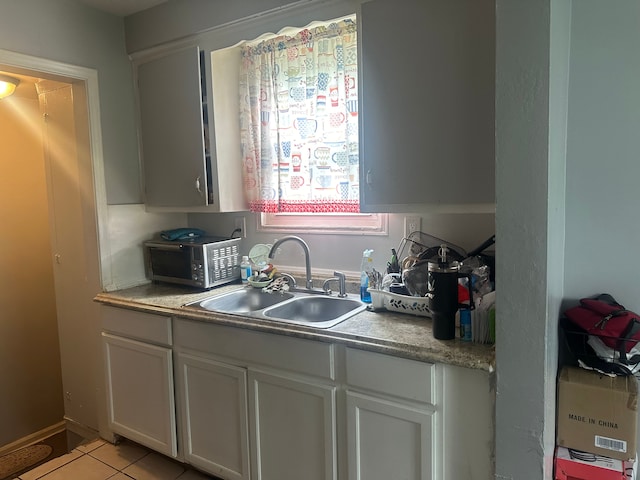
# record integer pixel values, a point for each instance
(415, 278)
(259, 255)
(258, 282)
(393, 266)
(483, 246)
(442, 292)
(487, 259)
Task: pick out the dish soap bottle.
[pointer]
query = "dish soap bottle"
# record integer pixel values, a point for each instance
(366, 268)
(245, 269)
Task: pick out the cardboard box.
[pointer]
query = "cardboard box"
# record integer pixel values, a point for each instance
(597, 413)
(576, 465)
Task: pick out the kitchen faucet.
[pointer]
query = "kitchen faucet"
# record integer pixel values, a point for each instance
(307, 255)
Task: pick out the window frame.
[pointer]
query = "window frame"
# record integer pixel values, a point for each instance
(325, 223)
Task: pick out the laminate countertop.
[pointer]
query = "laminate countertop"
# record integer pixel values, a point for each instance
(382, 331)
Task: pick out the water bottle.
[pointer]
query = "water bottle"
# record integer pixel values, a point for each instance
(245, 269)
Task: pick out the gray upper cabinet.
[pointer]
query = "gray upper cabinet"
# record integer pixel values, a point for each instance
(180, 169)
(171, 130)
(427, 83)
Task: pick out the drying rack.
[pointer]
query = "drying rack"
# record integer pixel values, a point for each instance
(425, 247)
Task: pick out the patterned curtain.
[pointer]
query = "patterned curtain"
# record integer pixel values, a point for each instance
(299, 121)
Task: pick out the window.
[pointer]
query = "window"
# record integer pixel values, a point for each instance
(299, 120)
(298, 128)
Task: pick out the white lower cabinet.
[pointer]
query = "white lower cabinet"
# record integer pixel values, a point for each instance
(294, 428)
(139, 378)
(262, 406)
(391, 418)
(213, 397)
(255, 405)
(388, 440)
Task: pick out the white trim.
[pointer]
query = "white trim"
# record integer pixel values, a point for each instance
(42, 67)
(331, 224)
(33, 438)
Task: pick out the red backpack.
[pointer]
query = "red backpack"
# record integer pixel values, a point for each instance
(617, 327)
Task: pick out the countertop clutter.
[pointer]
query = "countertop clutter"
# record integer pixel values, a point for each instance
(391, 333)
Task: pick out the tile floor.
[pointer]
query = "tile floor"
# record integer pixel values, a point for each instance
(100, 460)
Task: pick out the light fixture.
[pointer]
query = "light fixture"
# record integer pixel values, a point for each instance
(7, 85)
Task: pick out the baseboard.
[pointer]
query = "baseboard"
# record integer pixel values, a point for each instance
(33, 438)
(79, 429)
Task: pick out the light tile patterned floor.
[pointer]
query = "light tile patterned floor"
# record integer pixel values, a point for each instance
(100, 460)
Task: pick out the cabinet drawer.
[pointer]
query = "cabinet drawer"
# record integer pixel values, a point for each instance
(393, 376)
(143, 326)
(264, 349)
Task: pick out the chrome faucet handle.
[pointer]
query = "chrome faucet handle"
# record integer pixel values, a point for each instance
(342, 284)
(325, 284)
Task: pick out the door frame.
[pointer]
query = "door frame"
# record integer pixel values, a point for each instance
(63, 72)
(93, 181)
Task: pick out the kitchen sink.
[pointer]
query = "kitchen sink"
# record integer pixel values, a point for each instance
(301, 308)
(320, 311)
(243, 301)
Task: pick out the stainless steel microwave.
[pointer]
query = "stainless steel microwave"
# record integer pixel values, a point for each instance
(202, 262)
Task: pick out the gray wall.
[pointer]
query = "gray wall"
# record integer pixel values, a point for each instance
(69, 32)
(176, 19)
(603, 166)
(525, 337)
(559, 242)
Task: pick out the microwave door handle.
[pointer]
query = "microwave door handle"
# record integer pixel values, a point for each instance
(168, 247)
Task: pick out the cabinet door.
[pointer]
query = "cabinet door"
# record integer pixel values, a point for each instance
(427, 70)
(140, 402)
(388, 440)
(293, 426)
(213, 399)
(171, 130)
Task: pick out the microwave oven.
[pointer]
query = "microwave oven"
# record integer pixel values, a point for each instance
(202, 262)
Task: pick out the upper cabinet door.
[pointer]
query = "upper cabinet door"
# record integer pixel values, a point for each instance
(427, 73)
(171, 130)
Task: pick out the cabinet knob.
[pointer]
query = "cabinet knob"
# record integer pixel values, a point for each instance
(369, 178)
(198, 188)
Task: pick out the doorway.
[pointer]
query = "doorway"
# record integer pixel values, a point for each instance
(74, 203)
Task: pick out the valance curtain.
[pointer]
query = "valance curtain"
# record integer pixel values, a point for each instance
(299, 121)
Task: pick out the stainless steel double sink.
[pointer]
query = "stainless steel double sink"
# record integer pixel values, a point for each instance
(301, 308)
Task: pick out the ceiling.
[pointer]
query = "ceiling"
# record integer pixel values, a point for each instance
(122, 8)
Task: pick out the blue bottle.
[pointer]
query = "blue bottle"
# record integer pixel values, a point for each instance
(465, 324)
(366, 266)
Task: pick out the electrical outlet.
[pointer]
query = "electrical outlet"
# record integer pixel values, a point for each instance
(411, 224)
(241, 223)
